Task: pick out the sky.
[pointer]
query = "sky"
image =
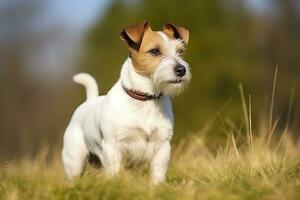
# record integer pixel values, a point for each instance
(258, 5)
(79, 13)
(53, 32)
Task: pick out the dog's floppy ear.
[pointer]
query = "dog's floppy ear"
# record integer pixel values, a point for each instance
(133, 35)
(176, 32)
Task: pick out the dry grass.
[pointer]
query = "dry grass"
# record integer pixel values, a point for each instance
(238, 170)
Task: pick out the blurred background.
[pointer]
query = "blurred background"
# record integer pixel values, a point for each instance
(43, 43)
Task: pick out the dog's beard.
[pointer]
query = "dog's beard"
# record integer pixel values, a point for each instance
(167, 83)
(172, 89)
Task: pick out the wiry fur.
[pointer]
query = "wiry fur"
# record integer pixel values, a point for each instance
(116, 125)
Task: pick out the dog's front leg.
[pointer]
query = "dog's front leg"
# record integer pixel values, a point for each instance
(113, 158)
(159, 163)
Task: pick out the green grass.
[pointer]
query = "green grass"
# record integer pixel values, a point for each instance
(236, 170)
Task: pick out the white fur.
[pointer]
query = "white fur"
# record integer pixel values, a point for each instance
(89, 83)
(165, 71)
(116, 125)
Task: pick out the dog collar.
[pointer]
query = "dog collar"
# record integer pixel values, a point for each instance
(141, 96)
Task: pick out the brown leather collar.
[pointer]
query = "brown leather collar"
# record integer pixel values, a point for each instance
(141, 96)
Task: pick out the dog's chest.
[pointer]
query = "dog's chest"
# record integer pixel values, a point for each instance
(139, 144)
(138, 127)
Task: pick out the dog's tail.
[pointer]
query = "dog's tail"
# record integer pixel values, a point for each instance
(89, 83)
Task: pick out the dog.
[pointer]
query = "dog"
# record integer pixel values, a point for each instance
(135, 118)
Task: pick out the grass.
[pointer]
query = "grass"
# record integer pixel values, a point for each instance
(252, 164)
(237, 170)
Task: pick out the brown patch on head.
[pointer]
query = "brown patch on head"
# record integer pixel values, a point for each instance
(142, 60)
(140, 40)
(176, 32)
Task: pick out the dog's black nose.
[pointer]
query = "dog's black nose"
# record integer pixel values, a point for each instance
(180, 70)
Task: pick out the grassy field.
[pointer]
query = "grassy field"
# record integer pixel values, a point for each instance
(253, 168)
(261, 163)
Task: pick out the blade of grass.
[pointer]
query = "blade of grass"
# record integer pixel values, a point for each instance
(272, 106)
(234, 146)
(250, 125)
(245, 111)
(289, 115)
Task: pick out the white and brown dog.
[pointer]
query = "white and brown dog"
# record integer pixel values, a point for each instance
(135, 118)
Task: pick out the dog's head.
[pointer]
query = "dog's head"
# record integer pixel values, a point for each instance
(158, 55)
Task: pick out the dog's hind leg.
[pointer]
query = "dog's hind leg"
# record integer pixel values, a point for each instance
(75, 152)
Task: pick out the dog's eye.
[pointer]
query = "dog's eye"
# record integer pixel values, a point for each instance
(154, 52)
(180, 52)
